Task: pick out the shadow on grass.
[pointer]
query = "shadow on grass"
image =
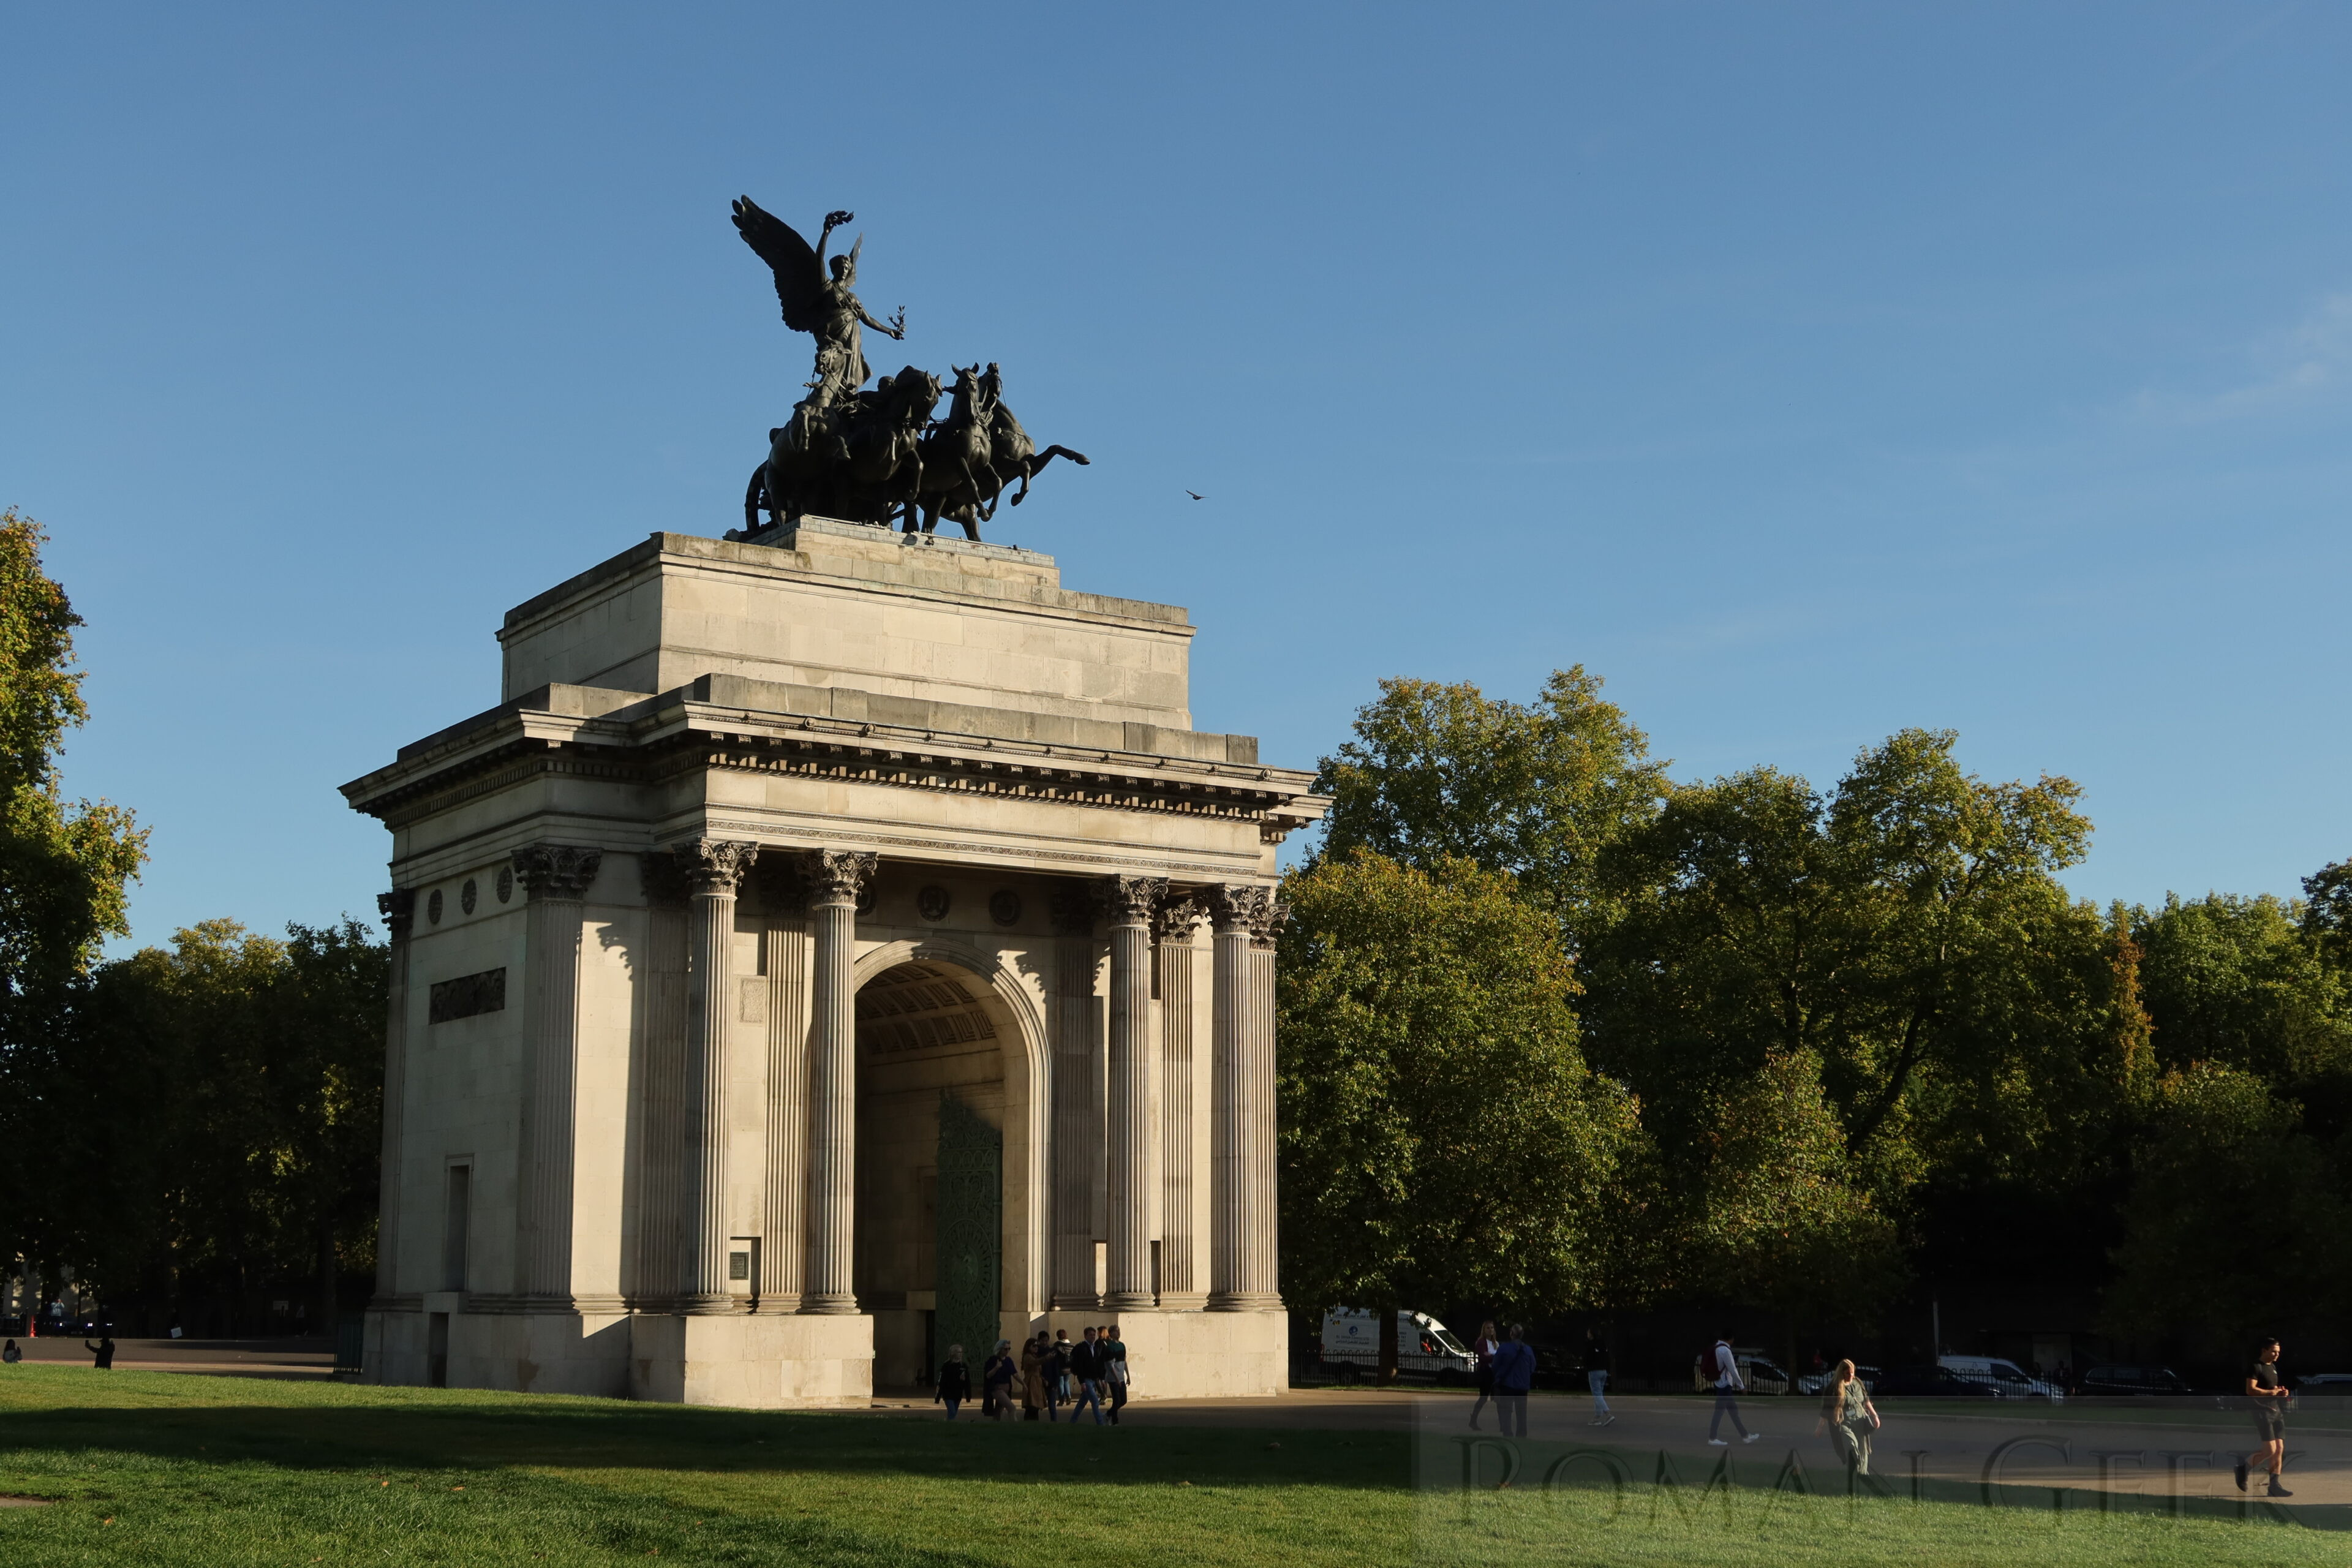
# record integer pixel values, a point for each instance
(167, 1416)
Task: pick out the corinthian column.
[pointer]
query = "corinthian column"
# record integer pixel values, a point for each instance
(1127, 904)
(714, 868)
(554, 877)
(1171, 959)
(834, 877)
(399, 911)
(1242, 1257)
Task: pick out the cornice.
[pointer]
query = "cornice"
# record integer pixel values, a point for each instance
(683, 737)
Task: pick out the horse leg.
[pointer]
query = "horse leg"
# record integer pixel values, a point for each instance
(753, 493)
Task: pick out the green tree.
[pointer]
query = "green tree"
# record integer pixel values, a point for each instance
(226, 1096)
(2244, 981)
(1786, 1222)
(64, 869)
(2235, 1222)
(1438, 771)
(1440, 1134)
(1879, 927)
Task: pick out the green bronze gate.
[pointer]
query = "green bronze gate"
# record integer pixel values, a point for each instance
(969, 1239)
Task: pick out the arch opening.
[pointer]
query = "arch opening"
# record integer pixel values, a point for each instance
(932, 1115)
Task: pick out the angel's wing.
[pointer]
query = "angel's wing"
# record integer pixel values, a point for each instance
(800, 278)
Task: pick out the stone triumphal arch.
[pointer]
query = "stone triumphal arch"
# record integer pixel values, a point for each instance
(832, 947)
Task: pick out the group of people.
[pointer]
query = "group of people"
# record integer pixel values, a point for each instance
(1048, 1373)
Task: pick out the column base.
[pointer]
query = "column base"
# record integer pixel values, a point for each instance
(1128, 1301)
(1183, 1300)
(520, 1352)
(828, 1306)
(753, 1362)
(1068, 1303)
(708, 1306)
(1206, 1356)
(1244, 1301)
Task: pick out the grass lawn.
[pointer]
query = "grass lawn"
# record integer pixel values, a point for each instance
(167, 1470)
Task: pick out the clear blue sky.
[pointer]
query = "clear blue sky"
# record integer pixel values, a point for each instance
(1807, 371)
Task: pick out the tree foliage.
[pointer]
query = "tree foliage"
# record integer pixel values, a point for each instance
(1537, 790)
(222, 1102)
(1440, 1131)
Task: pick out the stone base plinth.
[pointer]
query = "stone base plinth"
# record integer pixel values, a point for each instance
(1195, 1355)
(784, 1361)
(523, 1352)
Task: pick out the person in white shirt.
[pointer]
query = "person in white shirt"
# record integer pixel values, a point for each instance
(1728, 1384)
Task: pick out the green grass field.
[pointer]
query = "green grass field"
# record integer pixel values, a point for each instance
(169, 1469)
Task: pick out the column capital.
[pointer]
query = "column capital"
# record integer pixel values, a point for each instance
(837, 876)
(1242, 908)
(398, 909)
(1174, 919)
(1130, 901)
(716, 865)
(555, 870)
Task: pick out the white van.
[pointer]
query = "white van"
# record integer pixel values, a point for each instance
(1425, 1347)
(2006, 1379)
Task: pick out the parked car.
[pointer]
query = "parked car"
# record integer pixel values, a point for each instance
(1425, 1347)
(2141, 1381)
(1760, 1371)
(1940, 1382)
(1820, 1382)
(2009, 1381)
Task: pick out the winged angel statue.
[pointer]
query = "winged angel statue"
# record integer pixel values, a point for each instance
(870, 456)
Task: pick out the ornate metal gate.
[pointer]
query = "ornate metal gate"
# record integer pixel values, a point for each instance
(969, 1239)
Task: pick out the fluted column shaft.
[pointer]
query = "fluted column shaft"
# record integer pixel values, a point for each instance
(834, 877)
(1243, 1261)
(1077, 1132)
(782, 1252)
(1180, 1274)
(554, 877)
(714, 868)
(1128, 903)
(399, 911)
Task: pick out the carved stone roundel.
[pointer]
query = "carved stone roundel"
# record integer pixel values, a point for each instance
(468, 895)
(506, 884)
(432, 907)
(932, 902)
(1004, 907)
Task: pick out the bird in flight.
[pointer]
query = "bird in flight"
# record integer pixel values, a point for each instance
(1195, 495)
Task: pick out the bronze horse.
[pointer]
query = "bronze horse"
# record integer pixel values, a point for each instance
(858, 460)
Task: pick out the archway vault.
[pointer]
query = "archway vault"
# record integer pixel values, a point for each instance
(921, 999)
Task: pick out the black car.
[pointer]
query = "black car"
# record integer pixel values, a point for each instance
(2142, 1381)
(1940, 1381)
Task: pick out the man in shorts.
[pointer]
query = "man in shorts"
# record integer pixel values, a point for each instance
(2267, 1396)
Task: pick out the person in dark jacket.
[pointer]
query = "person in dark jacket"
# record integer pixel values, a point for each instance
(996, 1380)
(955, 1382)
(1087, 1373)
(1596, 1377)
(1485, 1346)
(103, 1351)
(1515, 1374)
(1115, 1374)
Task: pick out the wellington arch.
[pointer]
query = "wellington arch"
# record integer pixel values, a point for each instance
(836, 944)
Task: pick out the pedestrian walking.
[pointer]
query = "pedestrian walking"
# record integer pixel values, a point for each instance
(1728, 1386)
(955, 1382)
(1032, 1377)
(10, 1355)
(2266, 1396)
(996, 1381)
(1596, 1377)
(1087, 1374)
(1114, 1368)
(1484, 1347)
(1851, 1418)
(1515, 1374)
(1056, 1373)
(103, 1351)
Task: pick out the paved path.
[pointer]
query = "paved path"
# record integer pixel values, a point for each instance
(309, 1359)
